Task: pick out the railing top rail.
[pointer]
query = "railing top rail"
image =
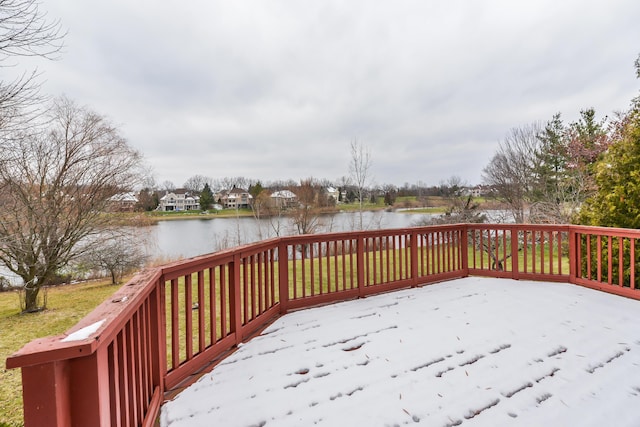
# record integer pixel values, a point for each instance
(368, 233)
(177, 268)
(542, 227)
(612, 231)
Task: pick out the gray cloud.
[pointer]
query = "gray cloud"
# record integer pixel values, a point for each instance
(277, 89)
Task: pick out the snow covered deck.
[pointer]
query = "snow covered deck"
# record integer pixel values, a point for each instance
(473, 351)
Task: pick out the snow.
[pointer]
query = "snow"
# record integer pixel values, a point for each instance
(473, 351)
(84, 333)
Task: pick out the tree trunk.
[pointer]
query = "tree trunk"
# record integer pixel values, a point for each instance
(31, 299)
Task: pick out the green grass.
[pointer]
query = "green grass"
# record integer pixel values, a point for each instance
(366, 206)
(197, 214)
(533, 258)
(66, 306)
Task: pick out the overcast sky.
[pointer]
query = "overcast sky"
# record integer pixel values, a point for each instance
(277, 90)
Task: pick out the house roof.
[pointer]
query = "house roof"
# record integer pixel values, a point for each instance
(237, 190)
(283, 194)
(124, 197)
(473, 351)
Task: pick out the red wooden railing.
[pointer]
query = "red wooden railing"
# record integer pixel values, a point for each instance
(170, 323)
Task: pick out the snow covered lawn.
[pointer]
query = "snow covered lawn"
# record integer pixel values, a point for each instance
(474, 351)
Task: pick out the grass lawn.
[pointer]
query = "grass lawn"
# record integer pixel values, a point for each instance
(197, 214)
(67, 305)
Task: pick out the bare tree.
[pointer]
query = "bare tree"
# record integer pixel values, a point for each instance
(228, 183)
(511, 171)
(263, 207)
(196, 183)
(55, 183)
(548, 171)
(24, 31)
(121, 252)
(306, 215)
(168, 185)
(359, 173)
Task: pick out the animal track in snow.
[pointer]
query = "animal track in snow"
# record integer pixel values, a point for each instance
(547, 375)
(592, 368)
(427, 364)
(500, 348)
(346, 340)
(475, 412)
(275, 350)
(557, 351)
(354, 390)
(362, 316)
(353, 347)
(473, 360)
(297, 383)
(388, 305)
(543, 397)
(440, 373)
(518, 390)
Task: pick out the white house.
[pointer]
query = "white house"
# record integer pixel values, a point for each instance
(179, 200)
(333, 192)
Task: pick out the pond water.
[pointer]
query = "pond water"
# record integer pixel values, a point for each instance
(176, 239)
(190, 237)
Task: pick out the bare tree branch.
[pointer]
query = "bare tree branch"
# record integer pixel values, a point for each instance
(24, 31)
(55, 184)
(359, 172)
(511, 170)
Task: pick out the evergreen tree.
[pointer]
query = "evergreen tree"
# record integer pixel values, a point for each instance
(617, 200)
(588, 139)
(552, 164)
(256, 189)
(206, 198)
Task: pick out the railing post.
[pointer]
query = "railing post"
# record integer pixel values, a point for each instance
(515, 264)
(360, 264)
(68, 392)
(158, 330)
(413, 244)
(45, 391)
(90, 405)
(464, 249)
(283, 277)
(235, 303)
(573, 253)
